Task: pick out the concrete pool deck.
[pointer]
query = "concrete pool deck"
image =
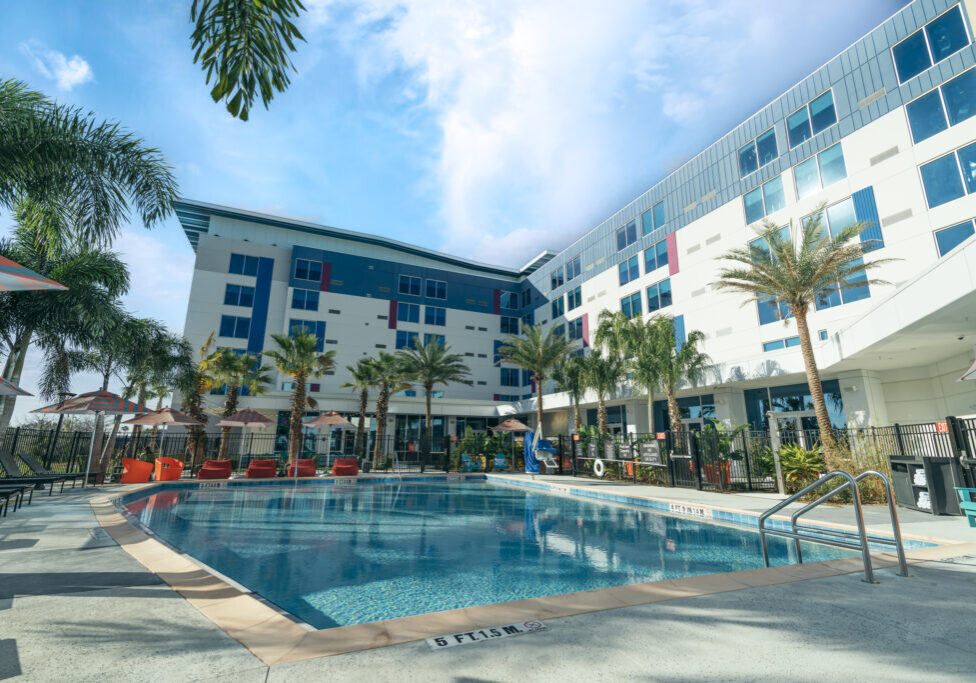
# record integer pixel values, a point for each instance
(55, 559)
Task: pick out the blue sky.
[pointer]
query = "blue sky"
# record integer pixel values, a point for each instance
(490, 129)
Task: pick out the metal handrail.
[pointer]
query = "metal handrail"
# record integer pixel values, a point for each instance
(892, 513)
(796, 535)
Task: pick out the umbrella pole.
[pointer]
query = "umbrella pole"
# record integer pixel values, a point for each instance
(328, 446)
(91, 450)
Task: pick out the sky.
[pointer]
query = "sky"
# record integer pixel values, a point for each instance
(490, 130)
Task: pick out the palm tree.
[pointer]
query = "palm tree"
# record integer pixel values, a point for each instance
(236, 372)
(430, 364)
(570, 376)
(647, 348)
(298, 357)
(615, 332)
(681, 362)
(362, 379)
(603, 374)
(72, 178)
(390, 379)
(193, 381)
(799, 276)
(538, 353)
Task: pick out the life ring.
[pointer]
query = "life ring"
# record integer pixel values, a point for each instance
(599, 469)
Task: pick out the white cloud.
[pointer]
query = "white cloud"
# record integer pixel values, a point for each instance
(66, 72)
(160, 277)
(682, 107)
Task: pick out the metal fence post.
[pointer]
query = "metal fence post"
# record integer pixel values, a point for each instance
(901, 444)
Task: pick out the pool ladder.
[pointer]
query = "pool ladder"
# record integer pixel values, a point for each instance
(837, 537)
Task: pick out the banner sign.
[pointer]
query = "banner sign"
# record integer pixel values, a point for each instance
(650, 453)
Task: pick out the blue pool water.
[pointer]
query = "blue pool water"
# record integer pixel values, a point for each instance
(340, 555)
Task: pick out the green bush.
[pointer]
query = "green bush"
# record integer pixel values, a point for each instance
(800, 466)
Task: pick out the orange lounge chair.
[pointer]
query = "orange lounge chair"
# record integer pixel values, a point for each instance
(135, 471)
(168, 469)
(215, 469)
(345, 467)
(306, 468)
(262, 469)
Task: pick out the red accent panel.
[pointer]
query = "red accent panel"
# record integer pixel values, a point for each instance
(326, 277)
(498, 301)
(586, 329)
(392, 318)
(672, 253)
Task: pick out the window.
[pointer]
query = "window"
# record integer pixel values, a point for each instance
(527, 319)
(510, 377)
(758, 153)
(434, 339)
(938, 39)
(243, 265)
(239, 295)
(508, 398)
(557, 278)
(953, 102)
(950, 177)
(510, 325)
(313, 327)
(659, 296)
(656, 256)
(771, 309)
(764, 200)
(409, 285)
(406, 340)
(631, 305)
(836, 218)
(510, 300)
(575, 328)
(573, 268)
(233, 326)
(574, 298)
(627, 235)
(436, 289)
(822, 334)
(559, 330)
(308, 270)
(781, 344)
(629, 270)
(435, 315)
(948, 239)
(558, 307)
(526, 297)
(408, 313)
(813, 117)
(819, 171)
(653, 218)
(305, 299)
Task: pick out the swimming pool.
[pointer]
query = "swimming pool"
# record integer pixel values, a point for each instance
(341, 555)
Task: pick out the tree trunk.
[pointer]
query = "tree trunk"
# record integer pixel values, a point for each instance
(361, 427)
(136, 429)
(603, 423)
(674, 413)
(230, 407)
(426, 446)
(381, 404)
(816, 388)
(196, 439)
(650, 412)
(154, 432)
(539, 380)
(577, 418)
(105, 455)
(297, 413)
(99, 455)
(12, 371)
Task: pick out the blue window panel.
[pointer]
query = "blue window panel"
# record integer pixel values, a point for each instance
(647, 222)
(305, 299)
(509, 377)
(967, 162)
(574, 298)
(526, 377)
(262, 297)
(231, 295)
(911, 57)
(828, 298)
(832, 167)
(941, 181)
(629, 270)
(573, 268)
(660, 215)
(866, 211)
(766, 148)
(822, 113)
(947, 35)
(409, 285)
(754, 205)
(948, 239)
(748, 161)
(434, 339)
(436, 289)
(798, 127)
(496, 357)
(823, 335)
(559, 330)
(768, 310)
(227, 325)
(556, 278)
(627, 235)
(308, 270)
(926, 116)
(664, 289)
(575, 329)
(631, 305)
(509, 325)
(406, 340)
(408, 313)
(960, 97)
(661, 252)
(435, 315)
(236, 264)
(792, 341)
(679, 330)
(558, 307)
(659, 296)
(773, 345)
(243, 265)
(773, 195)
(858, 292)
(840, 216)
(510, 300)
(807, 177)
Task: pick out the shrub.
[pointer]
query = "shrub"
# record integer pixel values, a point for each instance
(800, 466)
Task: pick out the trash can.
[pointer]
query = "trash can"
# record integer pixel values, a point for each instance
(927, 484)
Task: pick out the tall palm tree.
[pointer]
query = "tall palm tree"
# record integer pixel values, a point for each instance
(430, 364)
(236, 373)
(603, 373)
(647, 349)
(615, 332)
(390, 379)
(193, 381)
(362, 379)
(570, 376)
(799, 276)
(298, 357)
(681, 362)
(72, 178)
(538, 353)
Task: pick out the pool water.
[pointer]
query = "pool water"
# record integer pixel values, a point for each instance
(340, 555)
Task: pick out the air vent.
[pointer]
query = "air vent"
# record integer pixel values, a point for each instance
(380, 346)
(690, 207)
(337, 282)
(469, 301)
(895, 217)
(382, 317)
(713, 239)
(709, 195)
(887, 154)
(331, 341)
(469, 354)
(482, 303)
(482, 329)
(383, 289)
(693, 248)
(480, 383)
(873, 97)
(469, 327)
(725, 331)
(698, 292)
(334, 311)
(482, 355)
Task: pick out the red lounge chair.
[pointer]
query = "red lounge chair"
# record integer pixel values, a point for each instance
(306, 468)
(215, 469)
(345, 467)
(135, 471)
(262, 469)
(168, 469)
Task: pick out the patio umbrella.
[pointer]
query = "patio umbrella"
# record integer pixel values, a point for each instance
(11, 389)
(511, 425)
(15, 278)
(93, 403)
(245, 418)
(163, 418)
(330, 420)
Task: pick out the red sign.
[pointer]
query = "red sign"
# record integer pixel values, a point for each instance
(942, 427)
(575, 437)
(661, 435)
